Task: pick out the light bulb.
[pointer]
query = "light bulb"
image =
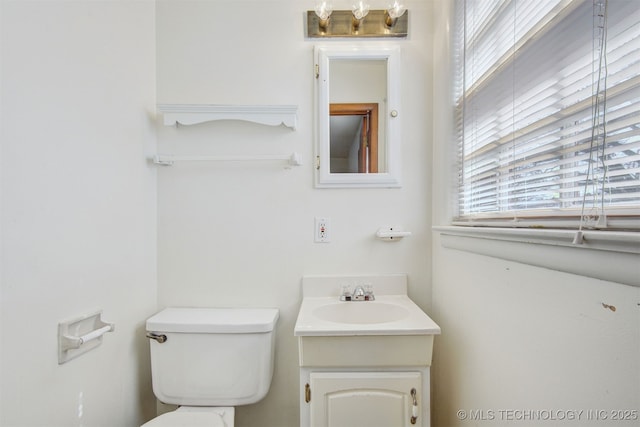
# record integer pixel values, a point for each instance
(360, 10)
(396, 10)
(323, 10)
(393, 12)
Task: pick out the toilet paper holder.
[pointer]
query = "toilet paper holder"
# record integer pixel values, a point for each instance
(80, 334)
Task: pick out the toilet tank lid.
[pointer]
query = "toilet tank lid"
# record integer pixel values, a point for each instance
(213, 320)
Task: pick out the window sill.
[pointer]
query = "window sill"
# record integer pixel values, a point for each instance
(607, 255)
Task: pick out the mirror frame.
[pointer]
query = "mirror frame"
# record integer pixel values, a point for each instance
(323, 55)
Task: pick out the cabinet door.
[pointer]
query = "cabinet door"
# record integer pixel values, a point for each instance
(365, 399)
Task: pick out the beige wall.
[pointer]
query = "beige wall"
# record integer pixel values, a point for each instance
(517, 337)
(78, 226)
(79, 217)
(242, 234)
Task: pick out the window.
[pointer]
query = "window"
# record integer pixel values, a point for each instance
(547, 99)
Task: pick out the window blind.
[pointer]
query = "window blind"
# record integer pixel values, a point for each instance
(547, 101)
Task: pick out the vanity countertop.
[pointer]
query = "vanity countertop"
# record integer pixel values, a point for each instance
(387, 315)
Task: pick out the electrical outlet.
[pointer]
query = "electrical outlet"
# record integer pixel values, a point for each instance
(322, 230)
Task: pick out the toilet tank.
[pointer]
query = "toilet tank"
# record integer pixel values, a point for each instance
(212, 356)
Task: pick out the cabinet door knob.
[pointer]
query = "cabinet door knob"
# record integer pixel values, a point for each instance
(414, 406)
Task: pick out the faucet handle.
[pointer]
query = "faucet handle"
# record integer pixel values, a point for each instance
(368, 292)
(345, 295)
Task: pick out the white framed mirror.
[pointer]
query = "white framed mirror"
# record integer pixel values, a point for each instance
(358, 116)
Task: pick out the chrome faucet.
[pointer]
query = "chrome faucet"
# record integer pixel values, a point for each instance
(360, 293)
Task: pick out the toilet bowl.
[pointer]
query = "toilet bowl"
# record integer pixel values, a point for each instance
(209, 360)
(186, 416)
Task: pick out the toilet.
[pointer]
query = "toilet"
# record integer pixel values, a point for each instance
(209, 360)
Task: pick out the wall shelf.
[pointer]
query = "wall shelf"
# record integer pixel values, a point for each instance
(191, 114)
(293, 159)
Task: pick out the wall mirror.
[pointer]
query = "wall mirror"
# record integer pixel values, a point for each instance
(358, 116)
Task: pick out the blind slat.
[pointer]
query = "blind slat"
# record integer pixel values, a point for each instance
(530, 137)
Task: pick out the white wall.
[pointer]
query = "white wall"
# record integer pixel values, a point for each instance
(78, 208)
(242, 234)
(517, 337)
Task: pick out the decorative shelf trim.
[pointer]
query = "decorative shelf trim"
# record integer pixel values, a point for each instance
(191, 114)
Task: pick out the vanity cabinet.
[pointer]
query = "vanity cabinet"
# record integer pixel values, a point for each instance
(365, 380)
(364, 399)
(367, 363)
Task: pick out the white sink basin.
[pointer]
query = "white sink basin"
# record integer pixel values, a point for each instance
(387, 315)
(391, 313)
(390, 331)
(361, 312)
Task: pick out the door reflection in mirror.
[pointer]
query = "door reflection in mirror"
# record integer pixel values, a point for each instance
(353, 135)
(360, 86)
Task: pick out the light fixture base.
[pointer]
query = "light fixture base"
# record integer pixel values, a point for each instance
(373, 25)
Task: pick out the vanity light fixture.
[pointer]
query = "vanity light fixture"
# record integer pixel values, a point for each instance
(393, 12)
(323, 21)
(359, 10)
(323, 12)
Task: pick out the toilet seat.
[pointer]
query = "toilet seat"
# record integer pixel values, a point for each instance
(187, 419)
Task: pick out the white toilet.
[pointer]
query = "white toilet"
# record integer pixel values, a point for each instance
(208, 360)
